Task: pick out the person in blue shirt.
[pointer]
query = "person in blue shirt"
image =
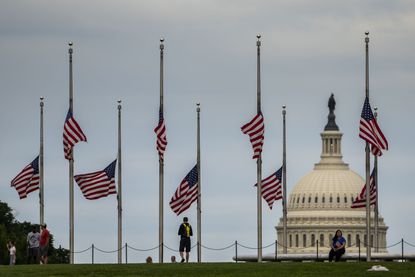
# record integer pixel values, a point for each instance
(337, 247)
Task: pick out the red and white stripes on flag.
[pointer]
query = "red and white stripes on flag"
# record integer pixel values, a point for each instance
(360, 201)
(255, 130)
(369, 130)
(271, 188)
(98, 184)
(72, 134)
(186, 193)
(28, 179)
(160, 131)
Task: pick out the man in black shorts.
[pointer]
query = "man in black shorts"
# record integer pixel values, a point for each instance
(185, 232)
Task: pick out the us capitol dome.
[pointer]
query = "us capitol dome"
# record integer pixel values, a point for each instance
(320, 203)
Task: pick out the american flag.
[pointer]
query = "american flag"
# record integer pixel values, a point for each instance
(360, 201)
(72, 134)
(255, 130)
(160, 131)
(98, 184)
(370, 130)
(271, 189)
(28, 179)
(186, 193)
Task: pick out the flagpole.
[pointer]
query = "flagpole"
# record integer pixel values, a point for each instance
(199, 193)
(368, 245)
(377, 197)
(161, 162)
(41, 171)
(259, 160)
(284, 183)
(71, 167)
(119, 195)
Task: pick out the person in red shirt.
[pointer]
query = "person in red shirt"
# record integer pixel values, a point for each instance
(44, 244)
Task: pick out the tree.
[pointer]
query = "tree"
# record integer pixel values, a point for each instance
(11, 229)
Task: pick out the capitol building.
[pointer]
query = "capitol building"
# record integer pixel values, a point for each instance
(320, 203)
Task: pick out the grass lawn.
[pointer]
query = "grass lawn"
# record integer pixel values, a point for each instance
(212, 269)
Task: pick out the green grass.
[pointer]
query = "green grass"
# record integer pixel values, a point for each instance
(211, 269)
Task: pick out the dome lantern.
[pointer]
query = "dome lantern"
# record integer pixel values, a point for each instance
(331, 154)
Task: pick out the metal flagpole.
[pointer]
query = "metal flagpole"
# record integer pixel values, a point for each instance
(71, 165)
(368, 243)
(161, 162)
(284, 183)
(119, 195)
(259, 160)
(199, 193)
(41, 171)
(377, 198)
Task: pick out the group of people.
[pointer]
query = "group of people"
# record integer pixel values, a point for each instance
(37, 246)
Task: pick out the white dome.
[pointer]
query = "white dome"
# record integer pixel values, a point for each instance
(328, 189)
(320, 203)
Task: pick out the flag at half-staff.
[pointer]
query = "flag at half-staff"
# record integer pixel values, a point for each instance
(97, 184)
(271, 189)
(160, 131)
(369, 130)
(28, 179)
(186, 193)
(360, 201)
(255, 130)
(72, 134)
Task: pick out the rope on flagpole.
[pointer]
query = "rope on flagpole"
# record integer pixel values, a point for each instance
(407, 243)
(82, 251)
(219, 249)
(392, 245)
(247, 247)
(107, 252)
(229, 246)
(171, 249)
(253, 248)
(144, 250)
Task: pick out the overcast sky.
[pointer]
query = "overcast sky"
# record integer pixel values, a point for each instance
(310, 49)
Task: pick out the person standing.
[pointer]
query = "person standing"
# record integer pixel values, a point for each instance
(337, 246)
(185, 232)
(33, 246)
(12, 252)
(44, 244)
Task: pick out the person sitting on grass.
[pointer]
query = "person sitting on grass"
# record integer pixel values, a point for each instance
(337, 246)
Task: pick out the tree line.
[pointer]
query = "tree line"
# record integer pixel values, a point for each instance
(13, 230)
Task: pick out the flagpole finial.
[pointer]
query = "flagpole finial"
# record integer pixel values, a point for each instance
(376, 111)
(283, 109)
(41, 100)
(198, 107)
(367, 36)
(119, 104)
(161, 43)
(258, 43)
(70, 47)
